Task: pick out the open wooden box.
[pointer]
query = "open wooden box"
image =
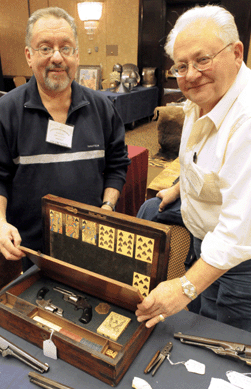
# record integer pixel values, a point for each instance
(111, 259)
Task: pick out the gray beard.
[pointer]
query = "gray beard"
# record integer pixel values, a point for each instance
(55, 85)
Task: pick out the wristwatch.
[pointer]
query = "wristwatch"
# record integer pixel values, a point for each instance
(110, 204)
(188, 288)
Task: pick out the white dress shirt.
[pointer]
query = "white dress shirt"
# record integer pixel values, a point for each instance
(215, 178)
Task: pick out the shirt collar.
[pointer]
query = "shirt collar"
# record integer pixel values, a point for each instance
(34, 100)
(218, 113)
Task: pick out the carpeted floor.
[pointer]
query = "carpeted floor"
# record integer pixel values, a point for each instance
(145, 135)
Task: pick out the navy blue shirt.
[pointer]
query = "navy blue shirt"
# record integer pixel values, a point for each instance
(30, 167)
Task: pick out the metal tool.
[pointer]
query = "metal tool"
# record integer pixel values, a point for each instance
(47, 304)
(8, 348)
(159, 358)
(46, 383)
(79, 302)
(220, 347)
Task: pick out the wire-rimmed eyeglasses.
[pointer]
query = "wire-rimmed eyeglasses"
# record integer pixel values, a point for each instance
(201, 63)
(47, 51)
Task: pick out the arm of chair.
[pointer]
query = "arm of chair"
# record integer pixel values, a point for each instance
(164, 179)
(180, 236)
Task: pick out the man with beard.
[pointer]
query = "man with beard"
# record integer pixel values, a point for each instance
(55, 136)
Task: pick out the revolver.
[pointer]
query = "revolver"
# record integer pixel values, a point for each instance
(221, 347)
(47, 304)
(8, 348)
(79, 302)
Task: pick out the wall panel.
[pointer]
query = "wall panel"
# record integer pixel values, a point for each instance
(37, 4)
(118, 26)
(13, 18)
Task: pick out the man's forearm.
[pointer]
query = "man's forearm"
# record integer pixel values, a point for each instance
(202, 275)
(111, 195)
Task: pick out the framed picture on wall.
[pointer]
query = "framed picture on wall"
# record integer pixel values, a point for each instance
(89, 76)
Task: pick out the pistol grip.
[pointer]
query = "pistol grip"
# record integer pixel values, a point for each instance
(42, 292)
(86, 315)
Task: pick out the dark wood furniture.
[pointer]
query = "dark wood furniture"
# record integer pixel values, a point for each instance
(14, 374)
(109, 258)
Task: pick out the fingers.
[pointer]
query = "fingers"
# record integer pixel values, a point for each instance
(148, 309)
(10, 252)
(162, 206)
(151, 319)
(161, 317)
(10, 241)
(16, 237)
(163, 203)
(154, 321)
(163, 301)
(146, 304)
(158, 195)
(164, 195)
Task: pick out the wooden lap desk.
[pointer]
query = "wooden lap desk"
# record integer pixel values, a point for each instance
(14, 374)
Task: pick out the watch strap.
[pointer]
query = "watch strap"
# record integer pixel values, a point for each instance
(110, 204)
(188, 288)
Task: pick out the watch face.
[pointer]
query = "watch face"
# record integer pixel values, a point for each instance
(189, 290)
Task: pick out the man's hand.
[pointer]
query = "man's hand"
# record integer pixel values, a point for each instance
(10, 240)
(166, 300)
(168, 196)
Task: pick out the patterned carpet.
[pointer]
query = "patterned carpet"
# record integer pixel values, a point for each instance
(145, 135)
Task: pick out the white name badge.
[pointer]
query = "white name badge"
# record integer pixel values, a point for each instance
(195, 179)
(59, 134)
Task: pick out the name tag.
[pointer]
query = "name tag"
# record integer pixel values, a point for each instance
(59, 134)
(195, 179)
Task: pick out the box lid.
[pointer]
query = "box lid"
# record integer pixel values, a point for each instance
(119, 252)
(89, 282)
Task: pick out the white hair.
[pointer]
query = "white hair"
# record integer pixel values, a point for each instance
(227, 31)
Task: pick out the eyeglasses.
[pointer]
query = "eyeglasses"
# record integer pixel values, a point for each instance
(201, 63)
(46, 51)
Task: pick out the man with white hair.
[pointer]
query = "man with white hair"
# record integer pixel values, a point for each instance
(215, 179)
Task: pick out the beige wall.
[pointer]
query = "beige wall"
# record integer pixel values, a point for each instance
(118, 26)
(12, 16)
